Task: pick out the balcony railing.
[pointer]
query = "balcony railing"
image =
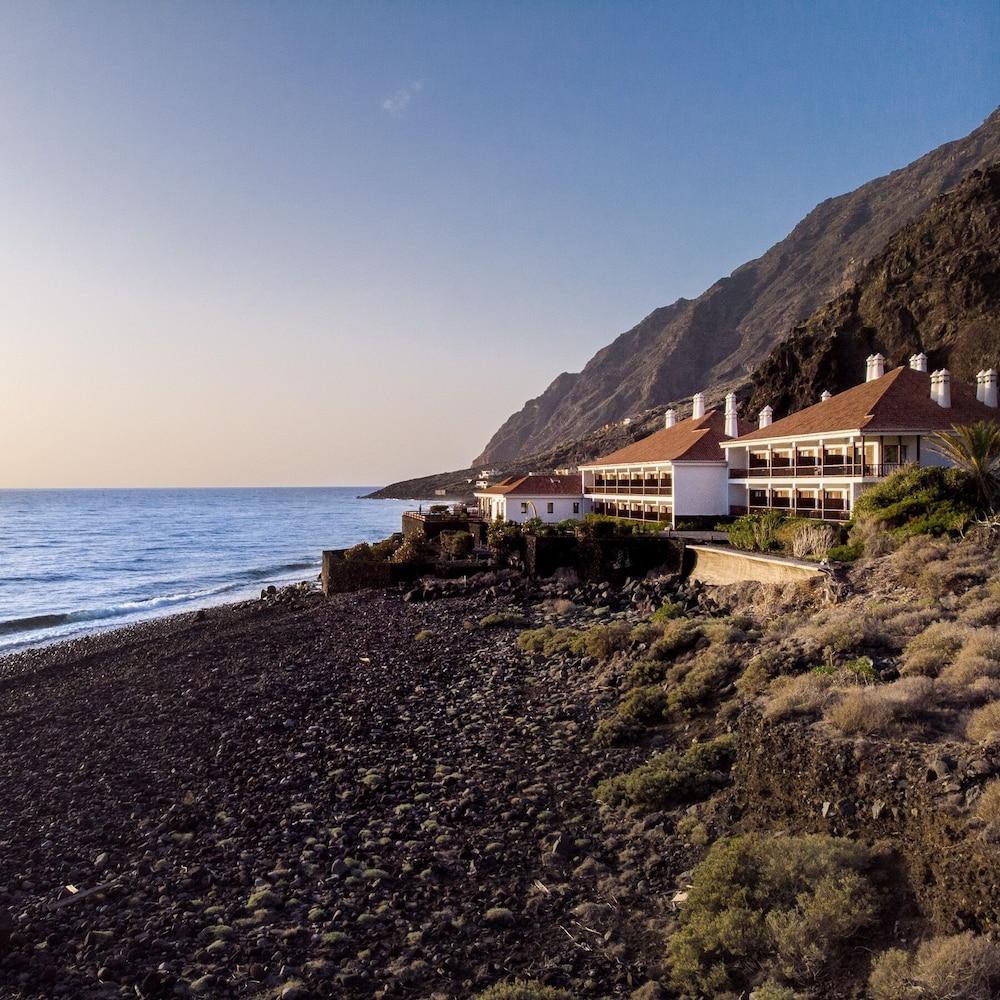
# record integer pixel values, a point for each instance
(830, 469)
(828, 513)
(632, 488)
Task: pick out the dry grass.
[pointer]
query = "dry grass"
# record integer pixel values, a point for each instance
(960, 967)
(812, 540)
(984, 722)
(807, 694)
(934, 649)
(988, 804)
(882, 709)
(978, 657)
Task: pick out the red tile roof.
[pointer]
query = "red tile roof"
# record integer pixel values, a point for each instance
(898, 402)
(689, 440)
(538, 486)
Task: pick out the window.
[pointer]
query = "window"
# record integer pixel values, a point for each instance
(576, 508)
(550, 508)
(524, 508)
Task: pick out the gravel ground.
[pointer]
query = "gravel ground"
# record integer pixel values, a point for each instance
(297, 798)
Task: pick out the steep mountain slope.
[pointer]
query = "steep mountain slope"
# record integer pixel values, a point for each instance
(718, 338)
(934, 288)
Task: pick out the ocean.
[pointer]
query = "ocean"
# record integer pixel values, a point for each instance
(75, 561)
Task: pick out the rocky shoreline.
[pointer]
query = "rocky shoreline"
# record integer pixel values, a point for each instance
(297, 797)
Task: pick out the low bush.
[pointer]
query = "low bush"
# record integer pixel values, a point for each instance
(760, 907)
(678, 636)
(988, 803)
(984, 722)
(812, 539)
(503, 619)
(504, 541)
(960, 967)
(670, 779)
(933, 649)
(757, 532)
(846, 553)
(666, 612)
(521, 989)
(978, 657)
(919, 500)
(362, 552)
(881, 709)
(763, 668)
(703, 678)
(414, 551)
(641, 707)
(600, 641)
(456, 544)
(804, 694)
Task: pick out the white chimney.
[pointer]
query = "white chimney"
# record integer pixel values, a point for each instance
(764, 420)
(877, 369)
(670, 417)
(732, 424)
(990, 387)
(824, 395)
(868, 367)
(935, 385)
(944, 389)
(918, 362)
(698, 405)
(980, 385)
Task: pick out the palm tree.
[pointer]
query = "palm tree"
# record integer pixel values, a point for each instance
(974, 449)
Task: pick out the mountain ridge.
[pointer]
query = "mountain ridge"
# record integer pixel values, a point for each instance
(716, 340)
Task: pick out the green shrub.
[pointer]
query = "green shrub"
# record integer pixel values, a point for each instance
(919, 500)
(846, 553)
(666, 612)
(703, 678)
(382, 551)
(641, 707)
(413, 551)
(959, 967)
(600, 641)
(521, 989)
(757, 532)
(503, 619)
(504, 540)
(761, 670)
(670, 779)
(362, 552)
(456, 544)
(785, 907)
(678, 636)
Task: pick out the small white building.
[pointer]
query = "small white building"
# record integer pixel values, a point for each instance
(521, 498)
(677, 472)
(816, 462)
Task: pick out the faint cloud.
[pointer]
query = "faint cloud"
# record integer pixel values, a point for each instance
(397, 103)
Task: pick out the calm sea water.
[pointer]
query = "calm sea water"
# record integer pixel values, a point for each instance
(72, 561)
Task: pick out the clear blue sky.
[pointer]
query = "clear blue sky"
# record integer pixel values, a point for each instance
(255, 243)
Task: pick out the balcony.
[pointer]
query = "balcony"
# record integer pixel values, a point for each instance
(834, 511)
(661, 486)
(829, 469)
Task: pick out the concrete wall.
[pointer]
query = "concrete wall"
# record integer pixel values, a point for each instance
(700, 490)
(718, 566)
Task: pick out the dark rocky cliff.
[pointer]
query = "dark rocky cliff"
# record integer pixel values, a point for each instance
(934, 288)
(717, 339)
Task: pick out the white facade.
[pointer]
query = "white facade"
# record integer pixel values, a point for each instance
(664, 492)
(518, 508)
